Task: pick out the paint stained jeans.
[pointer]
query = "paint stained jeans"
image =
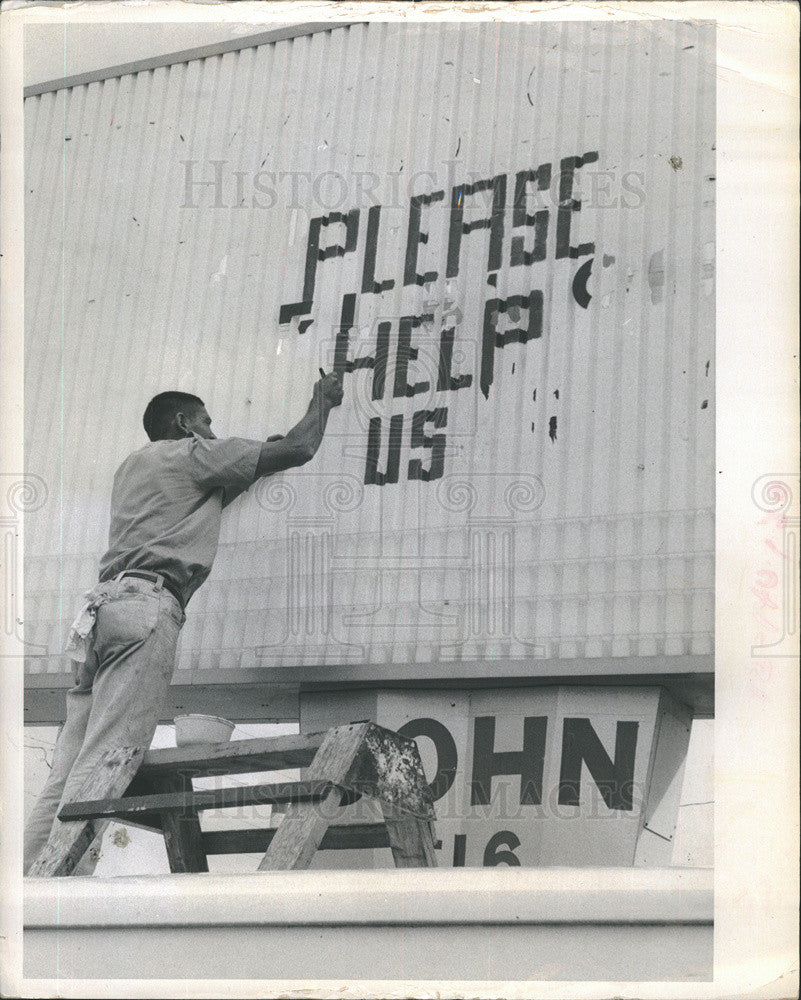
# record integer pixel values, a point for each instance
(118, 695)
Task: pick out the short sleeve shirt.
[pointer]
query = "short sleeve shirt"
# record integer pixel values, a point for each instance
(166, 507)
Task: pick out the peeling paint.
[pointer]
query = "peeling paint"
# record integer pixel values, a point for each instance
(656, 276)
(708, 268)
(222, 269)
(120, 837)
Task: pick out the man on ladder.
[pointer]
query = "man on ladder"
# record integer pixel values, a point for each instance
(166, 508)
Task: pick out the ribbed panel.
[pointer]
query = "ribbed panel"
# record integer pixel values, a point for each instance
(575, 516)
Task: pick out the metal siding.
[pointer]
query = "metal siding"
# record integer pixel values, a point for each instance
(129, 293)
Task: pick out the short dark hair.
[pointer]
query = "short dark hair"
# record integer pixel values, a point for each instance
(161, 410)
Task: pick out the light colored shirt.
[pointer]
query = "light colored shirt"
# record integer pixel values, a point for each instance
(166, 507)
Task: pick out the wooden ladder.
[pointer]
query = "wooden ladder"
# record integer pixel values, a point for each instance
(154, 790)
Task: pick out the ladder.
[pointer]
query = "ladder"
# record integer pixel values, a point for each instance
(153, 789)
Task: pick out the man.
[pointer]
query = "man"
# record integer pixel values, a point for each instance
(166, 507)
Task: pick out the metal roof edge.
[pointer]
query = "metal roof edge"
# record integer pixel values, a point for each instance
(185, 55)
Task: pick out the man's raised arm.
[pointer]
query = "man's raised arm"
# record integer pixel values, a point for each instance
(302, 441)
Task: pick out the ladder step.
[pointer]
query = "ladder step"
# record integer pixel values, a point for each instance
(273, 753)
(292, 792)
(336, 838)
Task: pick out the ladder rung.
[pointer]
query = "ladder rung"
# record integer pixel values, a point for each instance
(274, 753)
(256, 841)
(192, 801)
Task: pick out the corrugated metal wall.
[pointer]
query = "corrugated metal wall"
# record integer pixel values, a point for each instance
(167, 217)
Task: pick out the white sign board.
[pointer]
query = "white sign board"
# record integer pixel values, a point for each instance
(533, 776)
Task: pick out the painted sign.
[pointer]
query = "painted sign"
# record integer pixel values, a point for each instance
(518, 237)
(549, 776)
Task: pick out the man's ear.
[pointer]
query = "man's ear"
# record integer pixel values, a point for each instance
(180, 423)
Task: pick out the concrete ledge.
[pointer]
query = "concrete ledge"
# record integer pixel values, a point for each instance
(496, 924)
(418, 896)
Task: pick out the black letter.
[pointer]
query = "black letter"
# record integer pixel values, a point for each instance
(447, 757)
(381, 355)
(341, 364)
(539, 220)
(519, 335)
(528, 762)
(494, 223)
(415, 238)
(407, 353)
(369, 284)
(372, 476)
(315, 254)
(436, 442)
(614, 779)
(378, 363)
(568, 205)
(447, 382)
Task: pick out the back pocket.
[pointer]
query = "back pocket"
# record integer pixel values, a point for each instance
(129, 619)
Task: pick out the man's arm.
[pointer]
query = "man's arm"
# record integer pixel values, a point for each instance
(302, 441)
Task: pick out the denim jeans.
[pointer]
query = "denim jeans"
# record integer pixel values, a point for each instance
(118, 695)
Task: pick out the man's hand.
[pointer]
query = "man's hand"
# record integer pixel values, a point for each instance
(302, 441)
(329, 389)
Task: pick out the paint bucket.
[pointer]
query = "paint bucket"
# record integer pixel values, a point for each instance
(191, 729)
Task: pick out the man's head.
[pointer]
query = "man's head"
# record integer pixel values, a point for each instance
(174, 415)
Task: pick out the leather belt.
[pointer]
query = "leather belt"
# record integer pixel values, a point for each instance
(157, 578)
